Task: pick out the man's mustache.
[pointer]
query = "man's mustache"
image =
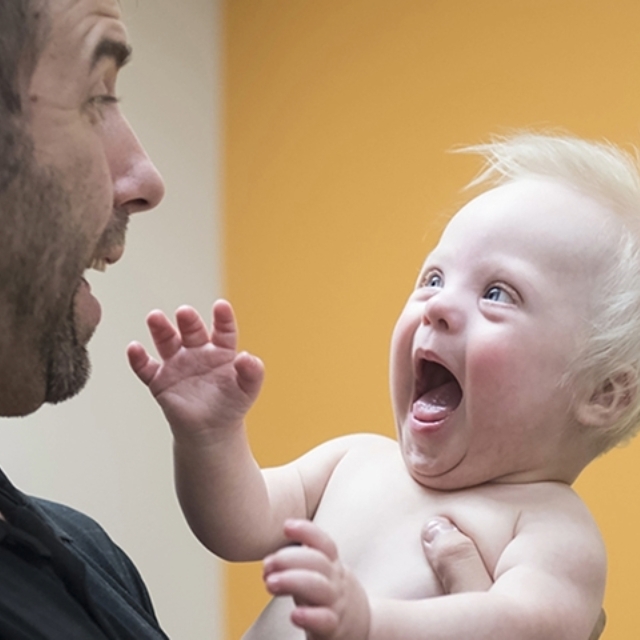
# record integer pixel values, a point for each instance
(114, 233)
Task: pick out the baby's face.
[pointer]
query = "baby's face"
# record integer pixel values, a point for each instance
(481, 347)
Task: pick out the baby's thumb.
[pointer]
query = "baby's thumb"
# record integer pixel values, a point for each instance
(142, 364)
(250, 370)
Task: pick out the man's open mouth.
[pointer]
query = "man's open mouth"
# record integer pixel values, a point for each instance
(437, 392)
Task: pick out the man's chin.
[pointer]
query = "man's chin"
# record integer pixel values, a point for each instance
(67, 359)
(67, 374)
(20, 400)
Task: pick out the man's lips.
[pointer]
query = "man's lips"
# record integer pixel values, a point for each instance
(87, 308)
(87, 311)
(106, 257)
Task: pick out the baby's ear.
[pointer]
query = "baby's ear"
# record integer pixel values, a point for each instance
(611, 398)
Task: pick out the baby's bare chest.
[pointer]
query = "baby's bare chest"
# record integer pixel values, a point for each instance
(375, 517)
(374, 512)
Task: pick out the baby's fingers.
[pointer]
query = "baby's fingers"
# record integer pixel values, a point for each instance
(307, 533)
(225, 329)
(193, 330)
(165, 336)
(306, 587)
(318, 622)
(295, 557)
(144, 366)
(250, 372)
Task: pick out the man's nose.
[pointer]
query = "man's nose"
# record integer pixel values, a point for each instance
(443, 312)
(137, 184)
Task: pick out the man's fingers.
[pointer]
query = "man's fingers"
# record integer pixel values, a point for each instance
(458, 565)
(454, 558)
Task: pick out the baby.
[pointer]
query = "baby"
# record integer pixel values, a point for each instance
(514, 363)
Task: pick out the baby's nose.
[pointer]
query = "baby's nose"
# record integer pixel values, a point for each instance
(442, 313)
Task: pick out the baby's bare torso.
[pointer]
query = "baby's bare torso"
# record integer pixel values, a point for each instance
(374, 511)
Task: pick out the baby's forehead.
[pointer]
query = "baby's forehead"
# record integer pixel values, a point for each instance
(533, 204)
(533, 214)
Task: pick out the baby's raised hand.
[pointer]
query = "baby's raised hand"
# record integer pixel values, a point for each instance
(201, 382)
(330, 604)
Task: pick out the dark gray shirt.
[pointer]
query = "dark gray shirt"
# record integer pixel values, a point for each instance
(62, 577)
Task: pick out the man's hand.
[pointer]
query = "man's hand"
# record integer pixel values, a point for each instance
(330, 604)
(454, 558)
(458, 565)
(201, 382)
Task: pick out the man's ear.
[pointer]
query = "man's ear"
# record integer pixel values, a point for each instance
(610, 399)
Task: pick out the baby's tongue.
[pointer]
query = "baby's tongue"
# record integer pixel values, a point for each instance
(437, 403)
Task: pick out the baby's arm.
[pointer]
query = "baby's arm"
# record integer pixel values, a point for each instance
(458, 565)
(548, 584)
(205, 388)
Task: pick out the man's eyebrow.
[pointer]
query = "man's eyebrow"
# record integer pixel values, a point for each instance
(115, 49)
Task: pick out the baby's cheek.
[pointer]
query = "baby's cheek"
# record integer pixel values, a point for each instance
(401, 363)
(494, 369)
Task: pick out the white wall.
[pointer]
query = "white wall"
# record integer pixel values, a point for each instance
(108, 451)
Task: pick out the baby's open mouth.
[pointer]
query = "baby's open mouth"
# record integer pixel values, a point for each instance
(437, 392)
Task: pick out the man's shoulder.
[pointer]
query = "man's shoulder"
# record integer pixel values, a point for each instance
(112, 577)
(93, 544)
(74, 526)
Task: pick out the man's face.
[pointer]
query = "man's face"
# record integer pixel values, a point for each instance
(482, 347)
(84, 172)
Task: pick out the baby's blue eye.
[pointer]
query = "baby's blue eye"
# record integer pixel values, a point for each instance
(432, 280)
(498, 294)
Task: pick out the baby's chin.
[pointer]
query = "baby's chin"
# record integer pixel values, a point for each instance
(437, 474)
(458, 475)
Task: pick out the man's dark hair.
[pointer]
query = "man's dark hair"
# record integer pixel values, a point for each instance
(22, 35)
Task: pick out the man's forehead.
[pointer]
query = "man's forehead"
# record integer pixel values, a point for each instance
(86, 24)
(110, 8)
(73, 15)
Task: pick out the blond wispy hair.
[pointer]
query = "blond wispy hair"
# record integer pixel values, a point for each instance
(610, 175)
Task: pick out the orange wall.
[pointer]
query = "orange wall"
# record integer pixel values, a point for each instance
(338, 118)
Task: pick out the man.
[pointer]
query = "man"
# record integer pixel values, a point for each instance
(71, 174)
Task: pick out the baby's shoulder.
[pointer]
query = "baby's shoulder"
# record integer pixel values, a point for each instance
(526, 518)
(371, 447)
(557, 502)
(534, 504)
(552, 506)
(534, 497)
(353, 452)
(362, 452)
(356, 444)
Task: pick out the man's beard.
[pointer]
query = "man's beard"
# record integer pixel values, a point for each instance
(42, 250)
(68, 361)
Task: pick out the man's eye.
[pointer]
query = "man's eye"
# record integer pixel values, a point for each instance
(498, 294)
(104, 100)
(97, 106)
